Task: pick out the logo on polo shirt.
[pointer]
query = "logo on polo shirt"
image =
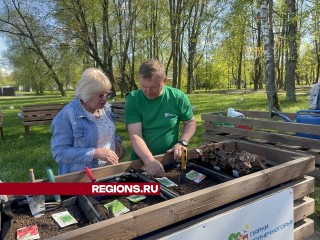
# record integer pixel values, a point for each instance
(169, 115)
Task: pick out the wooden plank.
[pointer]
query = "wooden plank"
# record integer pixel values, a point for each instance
(118, 109)
(268, 136)
(41, 112)
(258, 114)
(44, 122)
(302, 187)
(118, 104)
(303, 208)
(266, 115)
(38, 118)
(265, 124)
(303, 229)
(38, 107)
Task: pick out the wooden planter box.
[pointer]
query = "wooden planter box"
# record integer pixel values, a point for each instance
(261, 128)
(289, 172)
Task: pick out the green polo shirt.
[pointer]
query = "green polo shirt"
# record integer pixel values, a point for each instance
(160, 117)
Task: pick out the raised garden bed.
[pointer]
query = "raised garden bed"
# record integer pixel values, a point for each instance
(195, 199)
(259, 127)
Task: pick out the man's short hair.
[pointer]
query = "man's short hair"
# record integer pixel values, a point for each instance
(150, 68)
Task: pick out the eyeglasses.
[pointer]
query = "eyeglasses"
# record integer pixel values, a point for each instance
(108, 95)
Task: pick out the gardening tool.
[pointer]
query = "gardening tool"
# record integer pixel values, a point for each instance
(303, 116)
(113, 178)
(36, 202)
(90, 175)
(51, 179)
(284, 117)
(184, 157)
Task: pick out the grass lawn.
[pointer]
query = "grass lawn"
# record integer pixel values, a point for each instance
(18, 154)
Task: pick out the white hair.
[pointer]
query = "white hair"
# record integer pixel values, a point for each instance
(93, 81)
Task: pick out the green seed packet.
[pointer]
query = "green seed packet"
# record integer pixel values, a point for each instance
(116, 207)
(166, 182)
(136, 198)
(195, 176)
(64, 218)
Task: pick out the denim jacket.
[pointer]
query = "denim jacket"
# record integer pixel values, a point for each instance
(74, 138)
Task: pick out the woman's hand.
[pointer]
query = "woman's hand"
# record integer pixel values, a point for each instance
(120, 151)
(106, 155)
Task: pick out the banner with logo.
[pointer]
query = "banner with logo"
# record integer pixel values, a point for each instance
(269, 218)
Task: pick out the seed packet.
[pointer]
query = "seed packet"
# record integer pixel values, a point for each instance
(116, 207)
(28, 233)
(195, 176)
(136, 198)
(166, 182)
(37, 205)
(64, 219)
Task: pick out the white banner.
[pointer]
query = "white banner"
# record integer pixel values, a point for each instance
(269, 218)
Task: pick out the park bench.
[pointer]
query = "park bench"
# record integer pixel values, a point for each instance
(1, 124)
(43, 114)
(33, 115)
(259, 127)
(118, 111)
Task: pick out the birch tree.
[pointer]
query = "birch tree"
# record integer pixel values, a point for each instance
(292, 56)
(266, 12)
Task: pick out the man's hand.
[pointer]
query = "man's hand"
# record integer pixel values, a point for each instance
(176, 150)
(154, 168)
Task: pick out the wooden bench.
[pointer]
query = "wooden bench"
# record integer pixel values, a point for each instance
(118, 111)
(1, 124)
(259, 127)
(38, 115)
(43, 114)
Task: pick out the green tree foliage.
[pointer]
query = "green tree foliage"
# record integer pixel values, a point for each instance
(203, 44)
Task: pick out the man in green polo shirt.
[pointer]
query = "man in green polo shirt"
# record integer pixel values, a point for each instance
(153, 114)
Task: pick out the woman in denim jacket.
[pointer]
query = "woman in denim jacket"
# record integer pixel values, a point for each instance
(83, 132)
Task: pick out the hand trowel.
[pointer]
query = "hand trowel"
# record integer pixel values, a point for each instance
(36, 202)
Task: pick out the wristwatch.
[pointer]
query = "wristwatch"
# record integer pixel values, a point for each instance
(183, 143)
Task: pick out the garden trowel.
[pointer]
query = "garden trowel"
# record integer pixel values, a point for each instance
(36, 202)
(184, 158)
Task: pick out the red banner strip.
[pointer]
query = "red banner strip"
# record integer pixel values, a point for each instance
(79, 188)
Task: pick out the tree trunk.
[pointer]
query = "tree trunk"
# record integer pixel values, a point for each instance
(257, 62)
(292, 59)
(268, 40)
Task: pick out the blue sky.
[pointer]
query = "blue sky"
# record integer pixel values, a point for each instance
(3, 61)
